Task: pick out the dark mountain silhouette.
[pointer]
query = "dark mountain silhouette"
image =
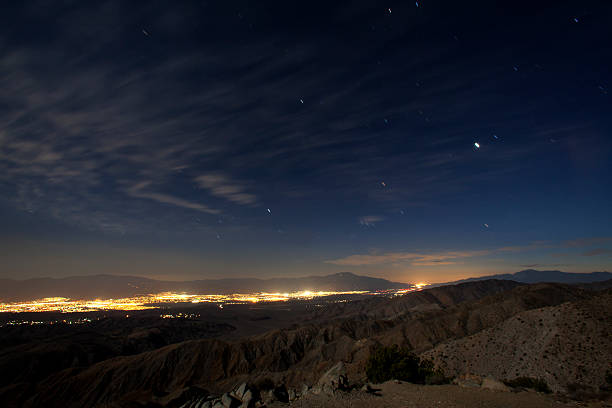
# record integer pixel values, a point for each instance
(111, 286)
(535, 276)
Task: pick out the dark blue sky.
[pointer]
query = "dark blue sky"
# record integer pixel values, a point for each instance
(229, 138)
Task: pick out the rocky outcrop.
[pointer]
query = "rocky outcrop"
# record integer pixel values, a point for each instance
(242, 396)
(333, 380)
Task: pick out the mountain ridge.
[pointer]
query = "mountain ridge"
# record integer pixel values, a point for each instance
(537, 276)
(119, 286)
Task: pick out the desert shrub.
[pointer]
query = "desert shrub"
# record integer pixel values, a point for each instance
(537, 384)
(264, 384)
(386, 363)
(583, 392)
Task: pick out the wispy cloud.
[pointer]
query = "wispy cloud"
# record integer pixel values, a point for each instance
(370, 220)
(598, 251)
(439, 258)
(138, 191)
(428, 259)
(224, 187)
(541, 265)
(585, 242)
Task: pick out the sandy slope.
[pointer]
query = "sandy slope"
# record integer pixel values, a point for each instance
(565, 344)
(407, 395)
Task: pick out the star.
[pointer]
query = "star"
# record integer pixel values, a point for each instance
(476, 145)
(269, 212)
(145, 32)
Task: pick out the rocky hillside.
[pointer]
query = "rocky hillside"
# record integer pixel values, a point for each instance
(437, 298)
(292, 356)
(569, 346)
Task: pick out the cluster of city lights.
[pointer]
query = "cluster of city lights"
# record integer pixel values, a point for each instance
(152, 301)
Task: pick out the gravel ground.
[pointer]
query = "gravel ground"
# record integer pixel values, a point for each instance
(405, 395)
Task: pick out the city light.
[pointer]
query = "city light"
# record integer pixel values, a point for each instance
(152, 301)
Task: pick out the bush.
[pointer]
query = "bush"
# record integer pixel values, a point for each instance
(537, 384)
(264, 384)
(386, 363)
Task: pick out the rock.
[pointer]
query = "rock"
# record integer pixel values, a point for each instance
(281, 394)
(206, 404)
(218, 404)
(333, 380)
(490, 383)
(292, 395)
(305, 389)
(229, 402)
(268, 397)
(248, 399)
(188, 397)
(242, 388)
(468, 381)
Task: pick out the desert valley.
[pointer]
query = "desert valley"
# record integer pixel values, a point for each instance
(482, 337)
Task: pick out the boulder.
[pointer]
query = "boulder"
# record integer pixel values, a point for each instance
(188, 397)
(468, 381)
(241, 390)
(229, 402)
(281, 394)
(333, 380)
(292, 394)
(248, 399)
(268, 397)
(490, 383)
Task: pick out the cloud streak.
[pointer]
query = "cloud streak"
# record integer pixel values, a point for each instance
(224, 187)
(423, 259)
(428, 259)
(138, 192)
(370, 220)
(597, 251)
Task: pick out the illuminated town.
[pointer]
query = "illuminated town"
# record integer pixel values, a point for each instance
(153, 301)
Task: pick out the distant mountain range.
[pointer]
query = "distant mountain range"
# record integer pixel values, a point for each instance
(535, 276)
(111, 286)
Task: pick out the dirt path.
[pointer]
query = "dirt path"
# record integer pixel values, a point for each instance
(407, 395)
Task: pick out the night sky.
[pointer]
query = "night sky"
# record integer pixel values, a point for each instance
(421, 141)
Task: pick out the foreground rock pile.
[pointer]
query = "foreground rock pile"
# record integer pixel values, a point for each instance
(244, 396)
